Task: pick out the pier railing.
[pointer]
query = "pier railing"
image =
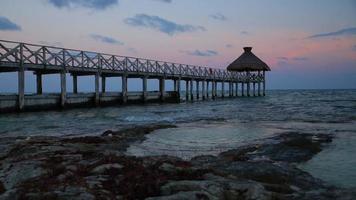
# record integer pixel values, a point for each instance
(49, 56)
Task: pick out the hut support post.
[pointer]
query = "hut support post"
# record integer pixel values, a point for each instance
(223, 89)
(248, 83)
(213, 89)
(197, 88)
(191, 90)
(39, 83)
(144, 89)
(259, 83)
(203, 90)
(207, 89)
(103, 84)
(174, 85)
(243, 89)
(63, 88)
(97, 94)
(75, 84)
(187, 90)
(254, 89)
(230, 89)
(237, 89)
(162, 88)
(264, 83)
(124, 88)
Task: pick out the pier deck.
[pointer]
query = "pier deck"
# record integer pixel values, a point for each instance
(20, 57)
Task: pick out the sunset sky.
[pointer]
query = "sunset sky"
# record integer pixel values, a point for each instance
(309, 44)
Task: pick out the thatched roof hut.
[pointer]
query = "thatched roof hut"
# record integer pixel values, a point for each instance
(248, 62)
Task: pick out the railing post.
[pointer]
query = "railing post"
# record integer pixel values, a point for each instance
(21, 81)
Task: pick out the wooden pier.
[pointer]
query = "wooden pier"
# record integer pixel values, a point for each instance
(42, 60)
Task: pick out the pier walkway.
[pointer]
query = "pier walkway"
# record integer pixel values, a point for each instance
(20, 57)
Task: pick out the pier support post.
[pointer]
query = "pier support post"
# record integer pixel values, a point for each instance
(21, 88)
(175, 85)
(39, 83)
(187, 90)
(207, 89)
(215, 89)
(103, 84)
(259, 83)
(162, 88)
(203, 90)
(237, 89)
(264, 83)
(63, 88)
(243, 89)
(197, 87)
(21, 82)
(144, 89)
(254, 89)
(124, 88)
(212, 89)
(191, 90)
(230, 91)
(75, 84)
(248, 83)
(97, 94)
(223, 89)
(178, 88)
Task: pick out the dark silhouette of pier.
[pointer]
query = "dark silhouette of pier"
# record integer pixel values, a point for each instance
(42, 60)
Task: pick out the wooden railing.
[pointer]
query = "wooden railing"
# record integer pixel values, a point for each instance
(47, 56)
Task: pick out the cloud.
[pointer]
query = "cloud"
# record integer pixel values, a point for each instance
(300, 58)
(7, 25)
(160, 24)
(206, 53)
(245, 33)
(354, 48)
(106, 39)
(342, 32)
(282, 58)
(55, 44)
(92, 4)
(218, 16)
(229, 46)
(165, 1)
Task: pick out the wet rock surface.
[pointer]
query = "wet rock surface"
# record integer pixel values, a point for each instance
(97, 168)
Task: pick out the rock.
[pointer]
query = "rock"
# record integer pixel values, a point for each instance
(106, 167)
(168, 167)
(15, 173)
(192, 195)
(2, 188)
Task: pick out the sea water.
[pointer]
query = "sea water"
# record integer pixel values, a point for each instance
(210, 127)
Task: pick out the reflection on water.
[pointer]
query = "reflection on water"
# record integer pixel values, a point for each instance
(213, 126)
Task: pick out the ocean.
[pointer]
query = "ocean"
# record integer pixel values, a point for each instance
(210, 127)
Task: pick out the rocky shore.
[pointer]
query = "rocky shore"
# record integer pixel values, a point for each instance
(97, 168)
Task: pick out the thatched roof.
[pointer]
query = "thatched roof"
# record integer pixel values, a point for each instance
(248, 62)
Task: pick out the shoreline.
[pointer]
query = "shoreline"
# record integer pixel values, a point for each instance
(96, 167)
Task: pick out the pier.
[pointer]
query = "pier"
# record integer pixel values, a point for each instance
(210, 83)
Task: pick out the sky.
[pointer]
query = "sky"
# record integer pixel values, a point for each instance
(309, 44)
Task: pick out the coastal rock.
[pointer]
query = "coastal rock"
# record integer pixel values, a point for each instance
(106, 167)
